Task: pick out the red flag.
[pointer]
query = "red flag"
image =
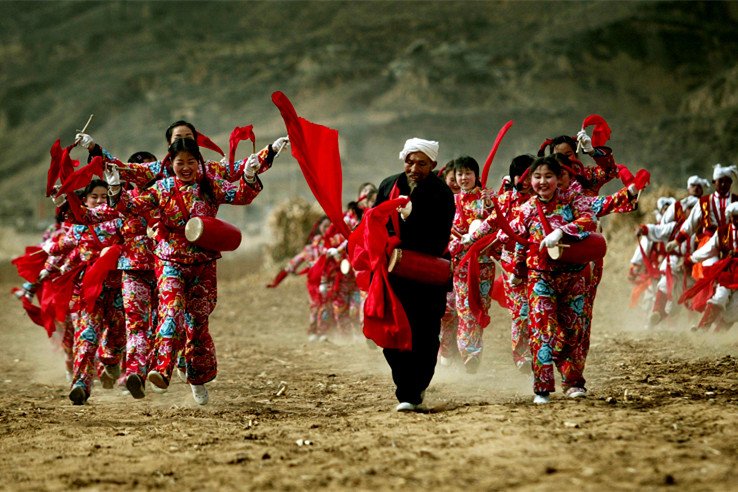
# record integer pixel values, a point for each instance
(204, 141)
(239, 133)
(316, 149)
(30, 264)
(82, 176)
(601, 132)
(54, 167)
(492, 153)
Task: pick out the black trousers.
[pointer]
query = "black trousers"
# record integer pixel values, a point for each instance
(412, 371)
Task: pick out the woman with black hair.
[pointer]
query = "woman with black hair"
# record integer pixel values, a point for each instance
(186, 272)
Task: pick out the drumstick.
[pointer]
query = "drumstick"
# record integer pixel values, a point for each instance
(281, 148)
(37, 252)
(89, 120)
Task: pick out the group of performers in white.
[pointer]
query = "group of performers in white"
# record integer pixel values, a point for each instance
(127, 294)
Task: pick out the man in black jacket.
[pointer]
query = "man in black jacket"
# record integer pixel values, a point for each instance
(426, 229)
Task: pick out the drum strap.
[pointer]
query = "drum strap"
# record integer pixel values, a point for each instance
(544, 221)
(95, 237)
(180, 201)
(395, 216)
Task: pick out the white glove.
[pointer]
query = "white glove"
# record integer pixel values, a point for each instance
(515, 280)
(466, 239)
(59, 200)
(323, 289)
(586, 141)
(111, 175)
(84, 140)
(252, 165)
(333, 252)
(672, 246)
(632, 189)
(43, 274)
(552, 239)
(277, 145)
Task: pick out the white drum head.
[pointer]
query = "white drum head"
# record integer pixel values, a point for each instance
(193, 229)
(345, 266)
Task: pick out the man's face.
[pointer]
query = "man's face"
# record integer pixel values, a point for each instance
(418, 166)
(695, 190)
(722, 185)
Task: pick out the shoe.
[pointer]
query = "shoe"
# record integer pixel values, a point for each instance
(156, 389)
(69, 376)
(312, 337)
(541, 399)
(653, 319)
(110, 375)
(575, 392)
(135, 384)
(472, 365)
(182, 375)
(158, 380)
(322, 338)
(445, 361)
(78, 395)
(405, 407)
(200, 393)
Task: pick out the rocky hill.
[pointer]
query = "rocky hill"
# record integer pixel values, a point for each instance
(663, 74)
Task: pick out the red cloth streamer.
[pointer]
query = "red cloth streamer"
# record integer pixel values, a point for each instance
(476, 304)
(60, 292)
(385, 321)
(315, 147)
(54, 167)
(601, 132)
(82, 176)
(491, 156)
(29, 265)
(711, 274)
(498, 291)
(641, 179)
(238, 134)
(278, 279)
(502, 221)
(204, 141)
(92, 282)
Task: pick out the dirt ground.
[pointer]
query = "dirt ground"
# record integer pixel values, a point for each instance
(662, 411)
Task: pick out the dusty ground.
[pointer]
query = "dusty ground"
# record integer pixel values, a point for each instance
(662, 412)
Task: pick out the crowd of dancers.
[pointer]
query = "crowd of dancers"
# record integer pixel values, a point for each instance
(127, 294)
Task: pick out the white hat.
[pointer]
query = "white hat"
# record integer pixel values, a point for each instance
(731, 209)
(428, 147)
(697, 181)
(720, 171)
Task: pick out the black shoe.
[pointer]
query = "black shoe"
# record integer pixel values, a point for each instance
(110, 376)
(472, 365)
(158, 380)
(135, 384)
(78, 395)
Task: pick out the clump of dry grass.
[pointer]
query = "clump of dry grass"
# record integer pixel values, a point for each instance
(290, 223)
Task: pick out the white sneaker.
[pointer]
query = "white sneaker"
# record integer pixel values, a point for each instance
(540, 399)
(445, 361)
(576, 392)
(182, 375)
(312, 337)
(405, 407)
(323, 338)
(200, 393)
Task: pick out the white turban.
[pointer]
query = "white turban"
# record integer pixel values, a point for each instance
(664, 201)
(428, 147)
(731, 209)
(724, 171)
(697, 181)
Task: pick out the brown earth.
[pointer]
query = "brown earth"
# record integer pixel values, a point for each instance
(662, 412)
